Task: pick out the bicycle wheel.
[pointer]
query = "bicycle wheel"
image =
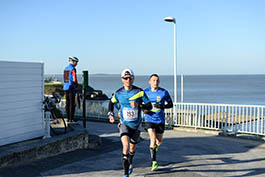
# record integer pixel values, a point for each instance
(57, 125)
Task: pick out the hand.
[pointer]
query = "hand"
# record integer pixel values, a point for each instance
(146, 111)
(158, 105)
(134, 104)
(111, 119)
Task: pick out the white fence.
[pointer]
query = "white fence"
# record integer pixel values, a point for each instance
(227, 117)
(21, 95)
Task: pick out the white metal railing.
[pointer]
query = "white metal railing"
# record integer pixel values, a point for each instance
(227, 117)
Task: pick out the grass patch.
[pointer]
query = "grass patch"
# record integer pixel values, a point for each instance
(49, 88)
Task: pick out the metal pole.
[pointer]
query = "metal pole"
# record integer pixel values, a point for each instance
(182, 90)
(84, 108)
(175, 73)
(171, 19)
(85, 85)
(175, 63)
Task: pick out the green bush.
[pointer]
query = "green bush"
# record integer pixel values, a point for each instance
(49, 88)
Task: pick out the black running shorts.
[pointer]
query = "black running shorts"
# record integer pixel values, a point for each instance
(159, 128)
(132, 132)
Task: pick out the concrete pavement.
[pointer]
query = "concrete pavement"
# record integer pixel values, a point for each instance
(182, 154)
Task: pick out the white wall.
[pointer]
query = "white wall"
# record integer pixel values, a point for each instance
(21, 95)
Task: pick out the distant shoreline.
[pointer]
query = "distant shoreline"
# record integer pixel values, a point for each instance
(49, 75)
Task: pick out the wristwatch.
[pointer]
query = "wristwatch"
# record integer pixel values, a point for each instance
(110, 114)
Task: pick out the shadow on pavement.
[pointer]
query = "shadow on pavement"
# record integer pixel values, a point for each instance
(191, 153)
(249, 172)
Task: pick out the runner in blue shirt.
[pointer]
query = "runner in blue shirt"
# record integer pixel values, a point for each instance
(155, 119)
(130, 99)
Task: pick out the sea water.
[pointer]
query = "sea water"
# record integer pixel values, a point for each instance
(223, 89)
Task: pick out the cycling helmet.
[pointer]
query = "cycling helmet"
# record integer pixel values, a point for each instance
(73, 59)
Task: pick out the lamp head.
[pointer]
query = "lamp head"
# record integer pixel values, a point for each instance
(170, 19)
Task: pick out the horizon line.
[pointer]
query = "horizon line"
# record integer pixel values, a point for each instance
(169, 74)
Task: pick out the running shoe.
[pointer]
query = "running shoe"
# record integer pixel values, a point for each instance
(130, 169)
(154, 166)
(126, 176)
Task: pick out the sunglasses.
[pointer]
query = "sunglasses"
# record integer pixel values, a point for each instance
(126, 78)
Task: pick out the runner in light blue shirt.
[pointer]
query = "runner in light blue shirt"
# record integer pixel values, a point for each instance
(132, 100)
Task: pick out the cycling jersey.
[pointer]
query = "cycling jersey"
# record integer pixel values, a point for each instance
(157, 115)
(128, 115)
(70, 79)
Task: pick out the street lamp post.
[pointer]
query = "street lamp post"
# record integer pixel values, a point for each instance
(171, 19)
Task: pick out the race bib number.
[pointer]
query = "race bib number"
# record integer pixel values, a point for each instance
(155, 109)
(130, 114)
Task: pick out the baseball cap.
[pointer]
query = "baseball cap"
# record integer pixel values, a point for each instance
(127, 72)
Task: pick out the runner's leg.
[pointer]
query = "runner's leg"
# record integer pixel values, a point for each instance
(152, 136)
(135, 136)
(160, 128)
(131, 155)
(131, 152)
(159, 139)
(125, 154)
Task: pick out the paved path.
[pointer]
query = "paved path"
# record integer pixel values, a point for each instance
(182, 154)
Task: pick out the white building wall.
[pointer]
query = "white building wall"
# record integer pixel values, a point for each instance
(21, 96)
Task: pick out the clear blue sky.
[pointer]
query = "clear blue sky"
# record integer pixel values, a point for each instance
(213, 36)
